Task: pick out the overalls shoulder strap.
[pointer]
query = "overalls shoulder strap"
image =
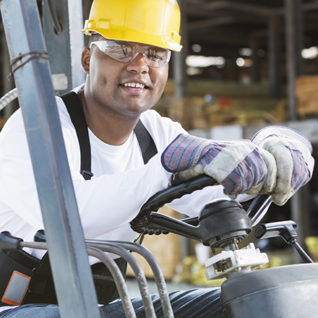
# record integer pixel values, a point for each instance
(75, 109)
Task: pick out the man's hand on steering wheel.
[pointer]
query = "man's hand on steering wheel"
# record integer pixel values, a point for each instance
(278, 166)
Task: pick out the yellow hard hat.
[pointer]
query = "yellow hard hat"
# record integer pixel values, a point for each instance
(152, 22)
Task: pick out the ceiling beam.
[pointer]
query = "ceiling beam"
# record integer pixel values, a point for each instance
(195, 25)
(310, 6)
(238, 6)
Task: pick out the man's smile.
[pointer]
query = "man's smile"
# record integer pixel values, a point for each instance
(134, 87)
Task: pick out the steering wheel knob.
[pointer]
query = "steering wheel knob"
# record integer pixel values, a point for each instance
(223, 223)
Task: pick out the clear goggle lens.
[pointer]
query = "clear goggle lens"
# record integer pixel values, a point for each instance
(125, 52)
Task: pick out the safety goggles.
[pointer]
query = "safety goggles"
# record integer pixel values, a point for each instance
(125, 52)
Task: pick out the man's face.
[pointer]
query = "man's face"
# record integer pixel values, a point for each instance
(124, 88)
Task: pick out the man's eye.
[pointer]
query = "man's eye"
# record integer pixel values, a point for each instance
(122, 51)
(155, 54)
(126, 50)
(114, 49)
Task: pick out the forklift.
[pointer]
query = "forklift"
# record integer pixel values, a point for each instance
(40, 70)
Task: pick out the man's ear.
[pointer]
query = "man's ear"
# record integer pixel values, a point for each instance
(86, 57)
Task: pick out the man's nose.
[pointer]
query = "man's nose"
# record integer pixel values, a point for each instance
(138, 64)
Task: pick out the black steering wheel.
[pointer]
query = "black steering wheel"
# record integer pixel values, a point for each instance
(219, 221)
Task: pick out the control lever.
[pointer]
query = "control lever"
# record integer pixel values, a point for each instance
(9, 242)
(39, 236)
(258, 208)
(162, 224)
(285, 230)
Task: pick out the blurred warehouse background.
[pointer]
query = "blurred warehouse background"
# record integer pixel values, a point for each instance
(244, 64)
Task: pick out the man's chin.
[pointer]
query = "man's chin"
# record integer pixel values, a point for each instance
(137, 108)
(135, 111)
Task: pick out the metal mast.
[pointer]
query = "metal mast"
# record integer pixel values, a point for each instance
(64, 234)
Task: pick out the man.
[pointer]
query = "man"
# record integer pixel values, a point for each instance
(126, 63)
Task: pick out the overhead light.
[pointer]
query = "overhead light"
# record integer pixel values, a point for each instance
(204, 61)
(240, 61)
(196, 48)
(310, 53)
(243, 62)
(245, 51)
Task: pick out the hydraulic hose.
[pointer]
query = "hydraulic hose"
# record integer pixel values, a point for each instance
(8, 98)
(158, 275)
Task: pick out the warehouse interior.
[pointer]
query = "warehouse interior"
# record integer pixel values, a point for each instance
(244, 65)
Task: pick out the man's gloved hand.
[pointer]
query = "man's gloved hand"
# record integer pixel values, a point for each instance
(294, 165)
(242, 166)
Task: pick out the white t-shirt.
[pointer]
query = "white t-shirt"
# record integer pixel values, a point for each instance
(107, 202)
